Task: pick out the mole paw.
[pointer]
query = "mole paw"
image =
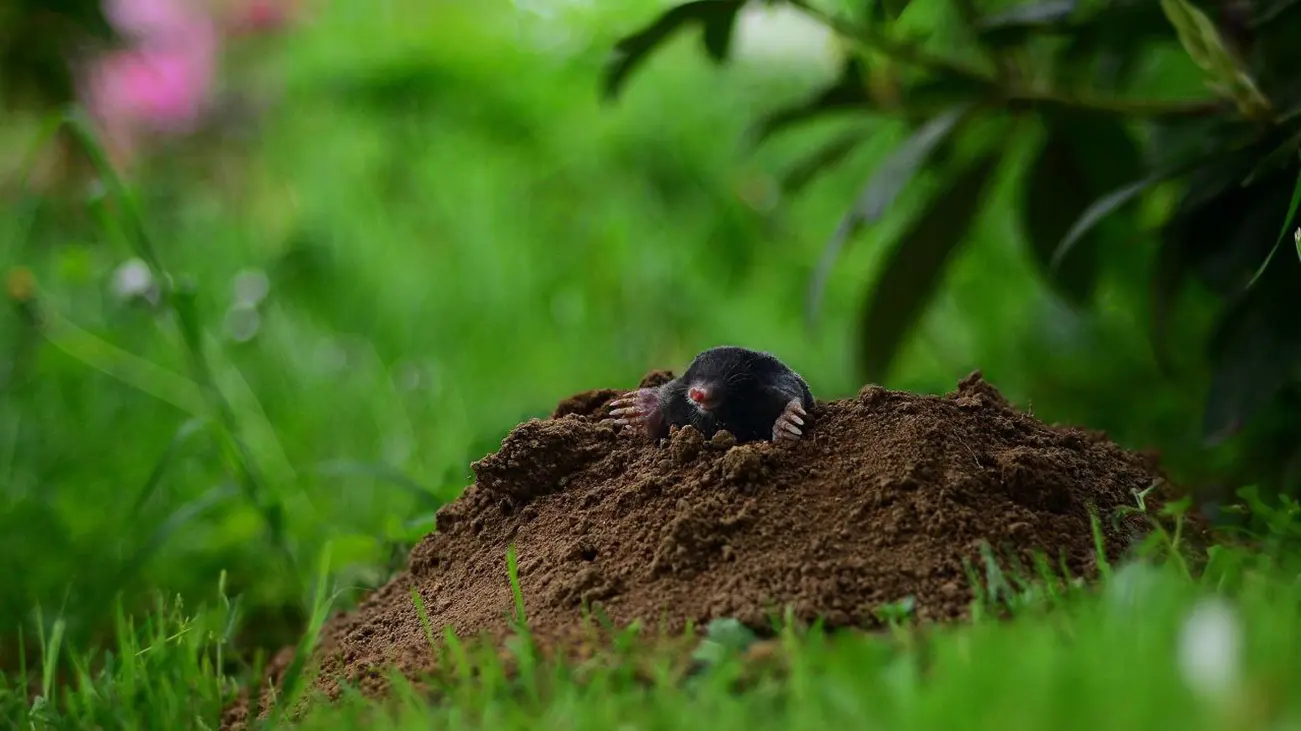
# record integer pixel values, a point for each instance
(789, 424)
(633, 408)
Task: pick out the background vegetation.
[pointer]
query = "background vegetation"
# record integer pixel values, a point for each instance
(403, 227)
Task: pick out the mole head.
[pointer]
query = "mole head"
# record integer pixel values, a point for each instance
(715, 375)
(704, 396)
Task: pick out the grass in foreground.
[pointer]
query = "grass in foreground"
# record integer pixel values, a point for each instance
(1148, 646)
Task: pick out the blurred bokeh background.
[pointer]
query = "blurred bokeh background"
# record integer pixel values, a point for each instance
(404, 226)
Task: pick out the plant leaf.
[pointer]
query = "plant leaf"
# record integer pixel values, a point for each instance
(717, 31)
(139, 373)
(188, 429)
(1287, 224)
(178, 519)
(848, 91)
(383, 473)
(1082, 156)
(1098, 211)
(1198, 35)
(881, 191)
(1056, 193)
(894, 8)
(1201, 40)
(716, 17)
(1012, 26)
(824, 158)
(1216, 230)
(1249, 372)
(1167, 280)
(916, 265)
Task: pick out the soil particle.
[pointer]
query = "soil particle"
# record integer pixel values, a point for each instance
(882, 499)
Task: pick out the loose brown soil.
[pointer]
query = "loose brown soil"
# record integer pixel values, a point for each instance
(883, 499)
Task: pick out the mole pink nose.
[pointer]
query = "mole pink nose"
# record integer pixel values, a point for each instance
(698, 394)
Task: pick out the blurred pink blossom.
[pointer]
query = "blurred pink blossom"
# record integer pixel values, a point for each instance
(164, 79)
(153, 20)
(263, 16)
(160, 88)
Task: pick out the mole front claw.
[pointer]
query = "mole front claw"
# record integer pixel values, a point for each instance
(788, 424)
(634, 408)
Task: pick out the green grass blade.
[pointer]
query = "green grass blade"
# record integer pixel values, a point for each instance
(383, 473)
(512, 572)
(170, 525)
(188, 429)
(139, 373)
(322, 601)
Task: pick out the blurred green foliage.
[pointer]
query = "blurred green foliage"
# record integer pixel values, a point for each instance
(37, 40)
(454, 234)
(1220, 123)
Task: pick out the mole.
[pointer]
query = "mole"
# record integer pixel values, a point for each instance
(749, 393)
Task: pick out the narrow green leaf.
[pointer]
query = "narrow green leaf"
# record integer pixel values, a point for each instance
(826, 157)
(383, 473)
(1249, 373)
(1167, 280)
(291, 684)
(132, 370)
(1056, 193)
(1204, 45)
(246, 414)
(179, 518)
(50, 656)
(1098, 211)
(1270, 11)
(1081, 157)
(1287, 224)
(848, 91)
(182, 436)
(1216, 214)
(1013, 26)
(512, 575)
(83, 131)
(1198, 35)
(716, 18)
(717, 31)
(915, 267)
(892, 9)
(881, 191)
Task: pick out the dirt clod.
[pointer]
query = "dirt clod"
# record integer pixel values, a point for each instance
(884, 497)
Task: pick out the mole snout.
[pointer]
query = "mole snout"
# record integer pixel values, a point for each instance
(748, 393)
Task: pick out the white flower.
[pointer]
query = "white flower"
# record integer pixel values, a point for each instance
(1210, 648)
(133, 279)
(242, 323)
(251, 287)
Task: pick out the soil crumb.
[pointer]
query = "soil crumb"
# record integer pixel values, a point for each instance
(883, 499)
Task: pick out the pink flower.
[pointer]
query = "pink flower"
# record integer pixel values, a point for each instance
(161, 88)
(262, 16)
(148, 19)
(162, 82)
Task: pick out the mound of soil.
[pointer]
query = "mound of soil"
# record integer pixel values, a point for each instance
(883, 499)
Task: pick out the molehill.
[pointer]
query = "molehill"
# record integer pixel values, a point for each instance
(883, 499)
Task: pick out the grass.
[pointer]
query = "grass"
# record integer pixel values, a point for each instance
(455, 235)
(1149, 646)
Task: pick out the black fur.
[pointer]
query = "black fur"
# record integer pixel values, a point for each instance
(752, 390)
